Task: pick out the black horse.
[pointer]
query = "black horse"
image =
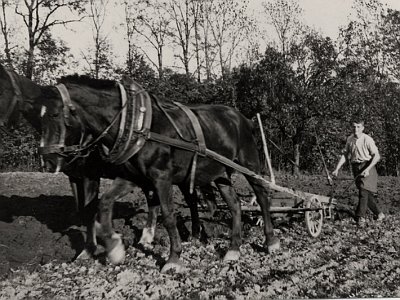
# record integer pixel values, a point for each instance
(160, 162)
(20, 95)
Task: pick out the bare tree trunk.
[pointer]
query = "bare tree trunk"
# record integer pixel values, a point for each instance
(97, 56)
(207, 57)
(160, 63)
(196, 38)
(296, 156)
(221, 61)
(31, 59)
(4, 30)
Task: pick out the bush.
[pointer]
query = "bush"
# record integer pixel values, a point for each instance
(19, 152)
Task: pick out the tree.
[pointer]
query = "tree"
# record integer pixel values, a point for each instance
(184, 15)
(39, 16)
(285, 16)
(361, 40)
(229, 26)
(290, 91)
(151, 24)
(99, 61)
(5, 30)
(52, 55)
(138, 69)
(391, 42)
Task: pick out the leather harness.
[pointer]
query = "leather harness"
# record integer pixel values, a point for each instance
(134, 124)
(134, 129)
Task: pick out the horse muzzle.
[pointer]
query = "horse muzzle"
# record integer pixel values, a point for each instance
(52, 163)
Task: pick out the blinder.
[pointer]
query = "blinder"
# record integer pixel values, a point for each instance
(60, 148)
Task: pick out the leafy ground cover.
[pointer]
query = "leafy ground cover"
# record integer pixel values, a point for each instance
(39, 237)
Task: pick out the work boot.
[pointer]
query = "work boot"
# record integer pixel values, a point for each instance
(380, 216)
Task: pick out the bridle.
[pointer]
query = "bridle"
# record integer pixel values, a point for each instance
(60, 148)
(17, 97)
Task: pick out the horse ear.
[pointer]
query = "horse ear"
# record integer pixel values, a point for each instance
(126, 80)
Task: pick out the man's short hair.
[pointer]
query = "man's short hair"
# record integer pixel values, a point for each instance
(358, 119)
(355, 121)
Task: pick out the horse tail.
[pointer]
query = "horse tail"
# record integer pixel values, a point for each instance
(249, 154)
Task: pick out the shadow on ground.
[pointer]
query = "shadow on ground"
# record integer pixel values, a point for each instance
(34, 231)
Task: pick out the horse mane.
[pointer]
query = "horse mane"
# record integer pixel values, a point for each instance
(88, 81)
(107, 84)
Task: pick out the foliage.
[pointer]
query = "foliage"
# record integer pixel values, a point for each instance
(18, 152)
(138, 69)
(307, 90)
(51, 56)
(285, 16)
(39, 17)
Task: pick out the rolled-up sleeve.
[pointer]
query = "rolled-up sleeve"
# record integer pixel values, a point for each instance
(372, 148)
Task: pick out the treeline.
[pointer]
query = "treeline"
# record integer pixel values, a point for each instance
(307, 87)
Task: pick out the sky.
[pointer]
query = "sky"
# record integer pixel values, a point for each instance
(326, 16)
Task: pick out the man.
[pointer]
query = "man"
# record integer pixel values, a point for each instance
(363, 155)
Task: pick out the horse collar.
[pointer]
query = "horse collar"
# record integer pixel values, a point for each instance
(134, 125)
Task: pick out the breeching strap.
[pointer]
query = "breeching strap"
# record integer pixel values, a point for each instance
(199, 138)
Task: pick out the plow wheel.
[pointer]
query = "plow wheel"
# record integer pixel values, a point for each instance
(314, 218)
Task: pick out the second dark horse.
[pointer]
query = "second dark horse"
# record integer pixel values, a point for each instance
(20, 95)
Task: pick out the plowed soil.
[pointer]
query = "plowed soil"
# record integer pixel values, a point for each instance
(40, 235)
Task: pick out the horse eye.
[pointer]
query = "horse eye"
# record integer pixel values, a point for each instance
(54, 115)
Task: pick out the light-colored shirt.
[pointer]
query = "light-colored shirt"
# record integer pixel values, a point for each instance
(360, 149)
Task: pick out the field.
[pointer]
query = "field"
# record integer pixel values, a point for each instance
(40, 236)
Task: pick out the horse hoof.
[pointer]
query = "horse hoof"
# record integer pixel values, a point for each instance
(274, 245)
(117, 254)
(146, 246)
(176, 267)
(232, 255)
(147, 236)
(84, 255)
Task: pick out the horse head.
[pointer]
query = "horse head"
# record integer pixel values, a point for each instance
(62, 134)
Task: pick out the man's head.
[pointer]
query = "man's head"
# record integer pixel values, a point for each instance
(358, 127)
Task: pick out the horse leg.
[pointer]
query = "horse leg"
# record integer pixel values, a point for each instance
(163, 187)
(75, 184)
(192, 200)
(113, 242)
(271, 242)
(86, 192)
(153, 204)
(209, 197)
(224, 186)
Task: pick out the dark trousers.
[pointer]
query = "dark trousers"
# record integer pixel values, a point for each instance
(366, 199)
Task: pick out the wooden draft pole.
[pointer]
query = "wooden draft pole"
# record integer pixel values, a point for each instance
(266, 149)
